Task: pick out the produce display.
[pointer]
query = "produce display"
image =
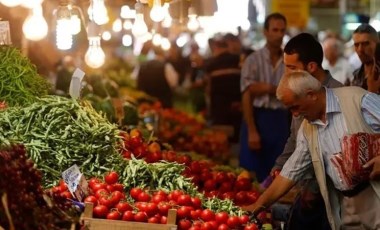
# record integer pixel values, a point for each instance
(23, 205)
(20, 84)
(59, 132)
(133, 175)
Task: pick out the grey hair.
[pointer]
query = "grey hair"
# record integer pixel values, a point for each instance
(299, 82)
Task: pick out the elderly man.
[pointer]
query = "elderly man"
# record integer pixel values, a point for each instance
(330, 114)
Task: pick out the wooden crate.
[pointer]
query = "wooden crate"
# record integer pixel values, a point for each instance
(90, 223)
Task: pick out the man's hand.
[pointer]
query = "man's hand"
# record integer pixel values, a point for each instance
(375, 165)
(254, 140)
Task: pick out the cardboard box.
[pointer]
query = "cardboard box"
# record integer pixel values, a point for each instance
(90, 223)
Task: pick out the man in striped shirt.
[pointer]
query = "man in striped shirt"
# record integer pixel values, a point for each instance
(330, 114)
(266, 121)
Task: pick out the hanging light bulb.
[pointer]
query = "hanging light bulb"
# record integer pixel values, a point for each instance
(76, 15)
(139, 27)
(193, 23)
(31, 3)
(97, 12)
(35, 26)
(95, 56)
(11, 3)
(117, 25)
(157, 13)
(64, 38)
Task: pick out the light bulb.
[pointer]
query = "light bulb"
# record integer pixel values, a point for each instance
(35, 26)
(157, 38)
(117, 25)
(11, 3)
(106, 36)
(127, 40)
(139, 27)
(157, 13)
(165, 44)
(98, 12)
(31, 3)
(75, 24)
(167, 22)
(127, 25)
(193, 23)
(95, 56)
(64, 38)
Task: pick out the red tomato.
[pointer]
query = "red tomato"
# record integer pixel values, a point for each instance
(106, 201)
(207, 215)
(209, 185)
(110, 188)
(221, 177)
(163, 208)
(123, 207)
(141, 206)
(251, 226)
(252, 196)
(184, 159)
(100, 211)
(63, 185)
(153, 220)
(223, 227)
(67, 195)
(206, 226)
(135, 192)
(226, 186)
(163, 220)
(184, 224)
(196, 202)
(243, 184)
(214, 224)
(160, 192)
(196, 214)
(91, 199)
(228, 195)
(128, 216)
(141, 217)
(135, 141)
(113, 215)
(184, 200)
(98, 186)
(111, 177)
(116, 196)
(174, 195)
(241, 198)
(195, 167)
(183, 212)
(118, 187)
(157, 198)
(143, 197)
(233, 221)
(151, 209)
(244, 219)
(221, 217)
(101, 192)
(93, 181)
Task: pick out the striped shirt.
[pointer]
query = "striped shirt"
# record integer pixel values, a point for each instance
(329, 137)
(258, 68)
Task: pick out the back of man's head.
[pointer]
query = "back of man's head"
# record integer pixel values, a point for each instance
(307, 48)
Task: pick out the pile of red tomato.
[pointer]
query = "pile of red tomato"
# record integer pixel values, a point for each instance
(112, 202)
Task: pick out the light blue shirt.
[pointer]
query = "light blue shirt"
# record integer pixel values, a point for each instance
(258, 68)
(329, 137)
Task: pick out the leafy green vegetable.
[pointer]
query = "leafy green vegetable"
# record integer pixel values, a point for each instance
(20, 84)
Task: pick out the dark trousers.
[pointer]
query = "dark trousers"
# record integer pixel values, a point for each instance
(273, 127)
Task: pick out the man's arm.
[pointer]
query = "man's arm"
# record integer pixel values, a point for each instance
(254, 141)
(290, 145)
(262, 88)
(275, 191)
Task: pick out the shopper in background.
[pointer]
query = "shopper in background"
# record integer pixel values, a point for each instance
(266, 121)
(374, 77)
(158, 78)
(304, 52)
(335, 62)
(223, 87)
(329, 114)
(365, 38)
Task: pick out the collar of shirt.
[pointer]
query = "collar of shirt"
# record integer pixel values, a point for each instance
(267, 57)
(332, 106)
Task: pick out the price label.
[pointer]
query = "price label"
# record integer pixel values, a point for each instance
(76, 182)
(76, 83)
(5, 33)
